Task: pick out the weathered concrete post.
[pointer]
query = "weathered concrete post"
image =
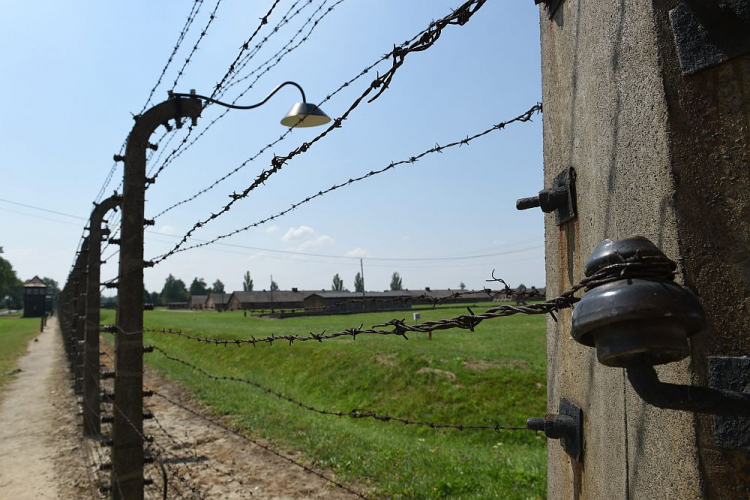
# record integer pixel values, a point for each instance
(127, 454)
(79, 315)
(658, 130)
(91, 396)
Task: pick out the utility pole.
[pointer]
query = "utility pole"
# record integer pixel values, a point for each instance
(91, 389)
(127, 431)
(271, 294)
(362, 275)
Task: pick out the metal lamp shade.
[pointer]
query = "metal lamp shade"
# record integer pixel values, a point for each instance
(304, 114)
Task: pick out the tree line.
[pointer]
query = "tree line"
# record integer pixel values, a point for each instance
(175, 290)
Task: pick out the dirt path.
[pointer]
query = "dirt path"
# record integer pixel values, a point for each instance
(43, 456)
(203, 460)
(41, 453)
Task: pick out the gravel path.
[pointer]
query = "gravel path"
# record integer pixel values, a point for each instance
(38, 435)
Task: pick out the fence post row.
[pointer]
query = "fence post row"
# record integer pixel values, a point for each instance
(127, 432)
(79, 314)
(91, 389)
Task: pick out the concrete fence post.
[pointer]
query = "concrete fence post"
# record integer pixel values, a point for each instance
(649, 103)
(91, 377)
(127, 433)
(80, 315)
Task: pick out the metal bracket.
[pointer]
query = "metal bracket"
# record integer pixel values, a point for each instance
(567, 426)
(708, 33)
(732, 374)
(560, 198)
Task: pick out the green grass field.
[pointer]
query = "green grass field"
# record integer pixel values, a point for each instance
(15, 334)
(494, 375)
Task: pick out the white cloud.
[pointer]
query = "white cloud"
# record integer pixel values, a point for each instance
(295, 233)
(166, 230)
(272, 229)
(320, 241)
(358, 252)
(255, 256)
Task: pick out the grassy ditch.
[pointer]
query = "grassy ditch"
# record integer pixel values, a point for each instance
(15, 334)
(493, 375)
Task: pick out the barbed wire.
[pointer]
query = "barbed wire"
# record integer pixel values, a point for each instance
(176, 152)
(111, 173)
(267, 146)
(202, 35)
(235, 79)
(279, 56)
(245, 46)
(181, 445)
(356, 413)
(458, 17)
(96, 454)
(524, 117)
(149, 444)
(642, 267)
(239, 434)
(197, 4)
(161, 152)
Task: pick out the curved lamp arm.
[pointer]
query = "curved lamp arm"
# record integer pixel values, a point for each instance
(233, 106)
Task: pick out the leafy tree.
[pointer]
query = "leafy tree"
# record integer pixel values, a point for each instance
(8, 276)
(396, 283)
(338, 283)
(146, 296)
(274, 286)
(462, 286)
(11, 288)
(217, 287)
(359, 283)
(52, 289)
(155, 298)
(174, 291)
(198, 287)
(247, 282)
(109, 300)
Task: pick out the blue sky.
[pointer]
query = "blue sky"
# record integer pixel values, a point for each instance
(73, 73)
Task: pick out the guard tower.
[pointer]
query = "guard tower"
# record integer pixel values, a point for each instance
(34, 298)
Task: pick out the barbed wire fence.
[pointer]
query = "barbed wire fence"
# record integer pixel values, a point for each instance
(259, 72)
(160, 445)
(379, 85)
(524, 117)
